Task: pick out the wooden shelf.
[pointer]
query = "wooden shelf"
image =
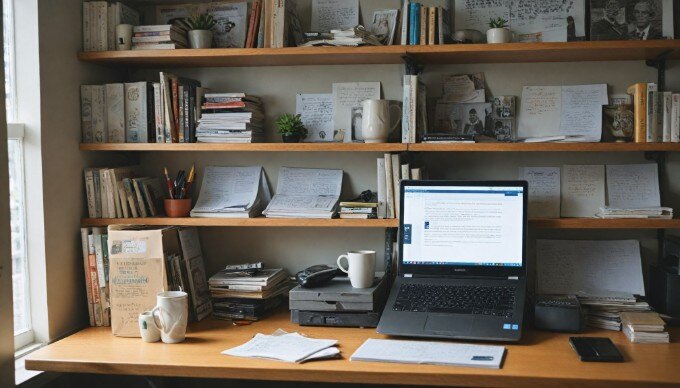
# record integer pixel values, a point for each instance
(539, 223)
(254, 147)
(385, 147)
(453, 53)
(245, 222)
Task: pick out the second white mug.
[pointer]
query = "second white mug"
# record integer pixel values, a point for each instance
(361, 268)
(171, 315)
(376, 118)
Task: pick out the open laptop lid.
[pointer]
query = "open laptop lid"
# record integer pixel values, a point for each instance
(461, 228)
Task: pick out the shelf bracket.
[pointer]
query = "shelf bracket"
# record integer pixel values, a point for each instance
(412, 67)
(659, 63)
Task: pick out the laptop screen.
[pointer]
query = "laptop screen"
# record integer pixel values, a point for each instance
(462, 225)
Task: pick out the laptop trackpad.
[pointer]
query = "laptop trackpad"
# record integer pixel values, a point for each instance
(449, 323)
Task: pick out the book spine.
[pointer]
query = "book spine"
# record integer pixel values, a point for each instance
(106, 305)
(87, 38)
(110, 27)
(94, 283)
(177, 134)
(185, 110)
(416, 174)
(111, 194)
(658, 115)
(150, 118)
(440, 25)
(261, 25)
(93, 26)
(268, 23)
(114, 192)
(97, 192)
(129, 192)
(103, 182)
(414, 29)
(158, 113)
(251, 24)
(86, 113)
(102, 40)
(192, 113)
(405, 171)
(667, 106)
(135, 112)
(115, 112)
(432, 26)
(389, 188)
(99, 114)
(404, 22)
(123, 199)
(639, 94)
(405, 120)
(242, 287)
(413, 108)
(89, 190)
(84, 233)
(651, 107)
(140, 198)
(675, 120)
(382, 188)
(99, 256)
(396, 177)
(422, 24)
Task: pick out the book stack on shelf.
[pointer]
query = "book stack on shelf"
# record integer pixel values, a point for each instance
(422, 25)
(159, 37)
(644, 328)
(118, 193)
(358, 210)
(230, 118)
(357, 36)
(390, 171)
(100, 19)
(657, 114)
(248, 291)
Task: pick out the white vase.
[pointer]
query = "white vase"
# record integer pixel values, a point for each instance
(200, 39)
(498, 35)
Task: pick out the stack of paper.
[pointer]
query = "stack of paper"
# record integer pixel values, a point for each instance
(633, 192)
(644, 327)
(646, 212)
(232, 192)
(305, 193)
(604, 310)
(230, 118)
(357, 36)
(288, 347)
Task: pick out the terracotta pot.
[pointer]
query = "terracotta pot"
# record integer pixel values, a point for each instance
(177, 207)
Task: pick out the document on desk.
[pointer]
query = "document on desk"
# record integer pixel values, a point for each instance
(588, 267)
(437, 353)
(288, 347)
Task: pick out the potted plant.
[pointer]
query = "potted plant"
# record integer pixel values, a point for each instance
(200, 33)
(291, 128)
(498, 31)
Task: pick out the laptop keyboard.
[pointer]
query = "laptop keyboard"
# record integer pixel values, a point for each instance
(496, 301)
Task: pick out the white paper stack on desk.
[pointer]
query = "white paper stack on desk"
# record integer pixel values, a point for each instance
(232, 192)
(305, 193)
(288, 347)
(644, 327)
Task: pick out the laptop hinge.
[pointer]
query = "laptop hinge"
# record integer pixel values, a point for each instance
(408, 275)
(513, 277)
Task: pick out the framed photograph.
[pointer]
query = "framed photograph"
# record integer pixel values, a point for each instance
(503, 129)
(463, 118)
(631, 19)
(504, 107)
(384, 25)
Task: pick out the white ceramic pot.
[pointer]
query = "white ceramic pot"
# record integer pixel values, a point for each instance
(200, 39)
(498, 35)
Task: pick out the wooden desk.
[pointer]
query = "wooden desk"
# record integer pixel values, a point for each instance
(539, 359)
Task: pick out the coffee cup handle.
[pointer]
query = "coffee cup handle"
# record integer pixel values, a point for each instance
(397, 120)
(340, 265)
(157, 320)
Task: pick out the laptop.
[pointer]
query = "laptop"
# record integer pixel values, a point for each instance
(462, 261)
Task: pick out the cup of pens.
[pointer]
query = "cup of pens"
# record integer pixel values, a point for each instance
(179, 202)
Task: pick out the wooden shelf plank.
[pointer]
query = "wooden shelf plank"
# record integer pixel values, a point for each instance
(385, 147)
(437, 54)
(245, 222)
(599, 223)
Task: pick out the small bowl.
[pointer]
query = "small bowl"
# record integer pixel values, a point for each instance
(177, 207)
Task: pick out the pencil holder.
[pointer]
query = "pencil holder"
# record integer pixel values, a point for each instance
(178, 207)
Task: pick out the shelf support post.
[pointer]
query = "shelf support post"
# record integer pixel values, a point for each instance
(659, 63)
(412, 67)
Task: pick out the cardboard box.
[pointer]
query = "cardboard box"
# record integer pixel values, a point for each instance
(137, 257)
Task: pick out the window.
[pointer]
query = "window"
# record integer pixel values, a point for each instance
(23, 333)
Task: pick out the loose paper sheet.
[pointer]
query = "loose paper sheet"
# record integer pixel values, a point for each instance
(229, 189)
(304, 192)
(590, 267)
(582, 190)
(633, 186)
(316, 112)
(347, 97)
(463, 88)
(544, 190)
(290, 347)
(334, 15)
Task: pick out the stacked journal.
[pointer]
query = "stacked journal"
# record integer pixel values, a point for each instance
(647, 327)
(247, 295)
(159, 37)
(606, 312)
(305, 193)
(230, 118)
(361, 210)
(232, 192)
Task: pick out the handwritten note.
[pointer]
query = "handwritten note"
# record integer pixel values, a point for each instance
(582, 190)
(632, 186)
(581, 113)
(591, 267)
(540, 113)
(334, 14)
(544, 190)
(475, 14)
(316, 112)
(226, 189)
(347, 97)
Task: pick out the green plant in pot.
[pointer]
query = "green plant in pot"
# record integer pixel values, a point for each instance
(291, 128)
(200, 33)
(498, 31)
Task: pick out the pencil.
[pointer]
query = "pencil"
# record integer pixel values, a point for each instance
(169, 183)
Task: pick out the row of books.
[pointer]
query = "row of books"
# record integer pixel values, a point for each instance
(230, 118)
(390, 171)
(118, 193)
(421, 25)
(94, 243)
(100, 19)
(159, 37)
(657, 114)
(141, 112)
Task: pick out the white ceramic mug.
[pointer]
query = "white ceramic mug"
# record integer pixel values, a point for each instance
(361, 269)
(376, 118)
(124, 37)
(147, 328)
(171, 314)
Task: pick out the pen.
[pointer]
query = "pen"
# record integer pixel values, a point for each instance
(167, 180)
(190, 180)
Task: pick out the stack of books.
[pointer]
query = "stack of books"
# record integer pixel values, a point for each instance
(247, 294)
(357, 36)
(648, 212)
(100, 19)
(605, 312)
(645, 327)
(359, 210)
(117, 193)
(230, 118)
(448, 138)
(159, 37)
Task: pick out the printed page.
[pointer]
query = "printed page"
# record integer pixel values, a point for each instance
(316, 112)
(582, 190)
(633, 186)
(540, 111)
(596, 268)
(581, 113)
(347, 101)
(544, 191)
(226, 189)
(334, 15)
(309, 181)
(301, 203)
(290, 347)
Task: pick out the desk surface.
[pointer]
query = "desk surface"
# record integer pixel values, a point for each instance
(539, 359)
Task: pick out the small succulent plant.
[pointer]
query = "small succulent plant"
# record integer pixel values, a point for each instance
(203, 21)
(289, 124)
(498, 23)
